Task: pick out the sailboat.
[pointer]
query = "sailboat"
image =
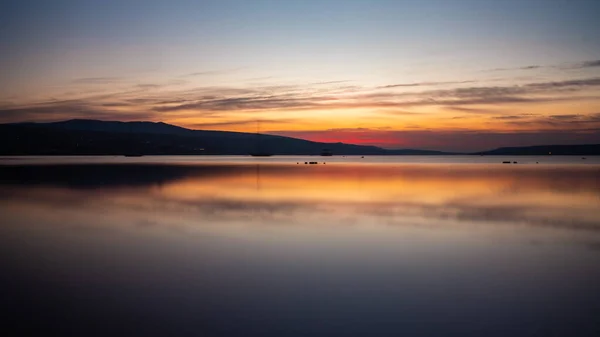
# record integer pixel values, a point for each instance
(259, 152)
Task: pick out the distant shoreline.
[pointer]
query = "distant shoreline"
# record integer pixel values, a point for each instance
(114, 138)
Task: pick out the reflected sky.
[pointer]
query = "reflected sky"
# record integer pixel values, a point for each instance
(565, 197)
(296, 250)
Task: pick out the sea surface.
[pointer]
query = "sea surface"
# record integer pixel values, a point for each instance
(351, 246)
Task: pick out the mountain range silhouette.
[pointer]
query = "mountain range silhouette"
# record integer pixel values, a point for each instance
(95, 137)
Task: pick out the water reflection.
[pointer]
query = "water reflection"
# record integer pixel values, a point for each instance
(295, 250)
(568, 198)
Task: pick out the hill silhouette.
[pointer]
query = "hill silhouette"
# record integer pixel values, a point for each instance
(95, 137)
(564, 150)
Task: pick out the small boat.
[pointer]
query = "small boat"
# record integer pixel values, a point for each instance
(261, 154)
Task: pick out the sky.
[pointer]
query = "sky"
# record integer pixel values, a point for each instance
(454, 75)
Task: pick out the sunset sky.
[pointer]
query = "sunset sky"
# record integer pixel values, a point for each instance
(430, 74)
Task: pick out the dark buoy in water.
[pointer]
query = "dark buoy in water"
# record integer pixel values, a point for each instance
(305, 163)
(362, 156)
(514, 162)
(583, 158)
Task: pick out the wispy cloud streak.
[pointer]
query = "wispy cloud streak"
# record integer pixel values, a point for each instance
(591, 64)
(224, 105)
(424, 84)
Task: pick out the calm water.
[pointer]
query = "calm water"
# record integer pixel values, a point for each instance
(240, 246)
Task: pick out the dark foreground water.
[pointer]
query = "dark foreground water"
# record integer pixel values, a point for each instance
(273, 248)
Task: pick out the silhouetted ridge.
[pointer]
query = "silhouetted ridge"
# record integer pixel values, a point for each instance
(94, 137)
(115, 126)
(564, 150)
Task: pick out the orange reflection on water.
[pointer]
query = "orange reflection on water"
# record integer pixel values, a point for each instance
(426, 184)
(315, 195)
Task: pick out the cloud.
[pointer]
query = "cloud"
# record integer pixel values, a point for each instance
(148, 86)
(242, 103)
(138, 101)
(565, 117)
(251, 122)
(203, 73)
(511, 117)
(115, 104)
(487, 100)
(421, 84)
(530, 67)
(566, 122)
(528, 93)
(213, 72)
(571, 120)
(469, 110)
(220, 100)
(588, 82)
(261, 78)
(98, 80)
(332, 82)
(285, 97)
(478, 92)
(590, 64)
